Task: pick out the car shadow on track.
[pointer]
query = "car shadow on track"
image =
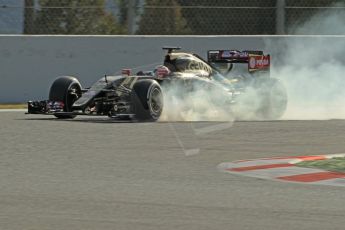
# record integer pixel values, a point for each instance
(93, 120)
(114, 120)
(103, 120)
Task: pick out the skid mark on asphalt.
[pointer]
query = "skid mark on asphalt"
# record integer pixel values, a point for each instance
(284, 169)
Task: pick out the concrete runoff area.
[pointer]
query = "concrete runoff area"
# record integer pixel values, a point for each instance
(95, 173)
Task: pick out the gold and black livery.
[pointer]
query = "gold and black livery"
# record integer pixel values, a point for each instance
(140, 96)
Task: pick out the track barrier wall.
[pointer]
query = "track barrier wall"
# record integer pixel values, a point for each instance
(29, 64)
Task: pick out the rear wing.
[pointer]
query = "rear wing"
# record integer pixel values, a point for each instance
(255, 59)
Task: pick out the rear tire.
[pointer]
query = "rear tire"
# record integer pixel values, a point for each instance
(147, 100)
(65, 89)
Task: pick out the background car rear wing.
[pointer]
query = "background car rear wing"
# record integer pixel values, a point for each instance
(256, 59)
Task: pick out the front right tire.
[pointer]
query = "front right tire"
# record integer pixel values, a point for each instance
(66, 89)
(147, 99)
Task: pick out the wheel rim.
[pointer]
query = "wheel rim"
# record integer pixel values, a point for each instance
(74, 92)
(156, 101)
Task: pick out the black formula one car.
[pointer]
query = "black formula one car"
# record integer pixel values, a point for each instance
(227, 74)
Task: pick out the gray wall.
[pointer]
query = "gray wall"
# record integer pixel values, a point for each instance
(29, 64)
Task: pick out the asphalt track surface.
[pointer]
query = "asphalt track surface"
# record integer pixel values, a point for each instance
(92, 173)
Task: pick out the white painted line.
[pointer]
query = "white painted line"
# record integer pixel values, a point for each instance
(330, 156)
(213, 128)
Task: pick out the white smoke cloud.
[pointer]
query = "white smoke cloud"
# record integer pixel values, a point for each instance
(313, 67)
(327, 21)
(198, 104)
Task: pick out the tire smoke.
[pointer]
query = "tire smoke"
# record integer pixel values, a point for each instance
(313, 67)
(195, 105)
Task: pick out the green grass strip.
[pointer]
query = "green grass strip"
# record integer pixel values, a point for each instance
(13, 106)
(336, 164)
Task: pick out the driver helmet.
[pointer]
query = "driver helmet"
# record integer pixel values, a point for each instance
(161, 71)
